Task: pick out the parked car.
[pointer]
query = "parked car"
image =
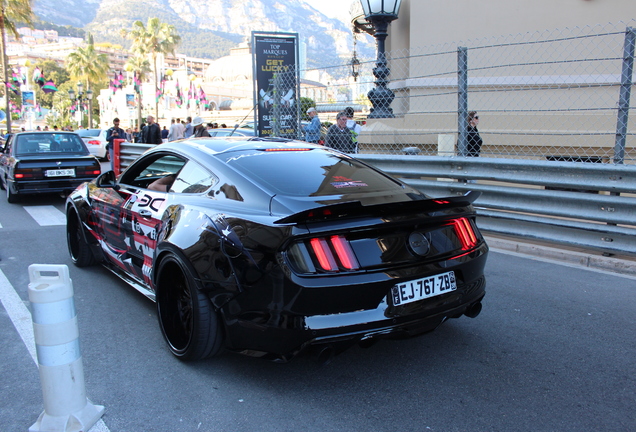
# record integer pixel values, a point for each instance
(95, 140)
(224, 132)
(43, 162)
(271, 247)
(249, 126)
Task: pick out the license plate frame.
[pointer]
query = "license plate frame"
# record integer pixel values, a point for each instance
(67, 172)
(423, 288)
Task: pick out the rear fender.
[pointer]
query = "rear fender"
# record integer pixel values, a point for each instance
(212, 250)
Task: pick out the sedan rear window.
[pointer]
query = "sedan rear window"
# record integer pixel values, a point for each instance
(314, 172)
(37, 144)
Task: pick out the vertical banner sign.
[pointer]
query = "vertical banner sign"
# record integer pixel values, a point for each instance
(28, 99)
(130, 101)
(276, 84)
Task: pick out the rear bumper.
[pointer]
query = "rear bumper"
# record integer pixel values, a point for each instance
(45, 186)
(340, 331)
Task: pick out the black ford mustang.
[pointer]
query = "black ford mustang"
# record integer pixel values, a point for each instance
(270, 247)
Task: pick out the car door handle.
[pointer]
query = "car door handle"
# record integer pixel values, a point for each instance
(145, 213)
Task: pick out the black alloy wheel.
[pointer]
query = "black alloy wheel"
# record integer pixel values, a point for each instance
(79, 250)
(188, 322)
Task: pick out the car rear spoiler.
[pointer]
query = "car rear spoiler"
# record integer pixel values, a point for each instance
(355, 208)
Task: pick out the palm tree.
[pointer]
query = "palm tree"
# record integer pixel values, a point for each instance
(11, 12)
(140, 66)
(89, 67)
(151, 40)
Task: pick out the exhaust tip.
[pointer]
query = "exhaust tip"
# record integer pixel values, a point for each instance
(473, 310)
(325, 355)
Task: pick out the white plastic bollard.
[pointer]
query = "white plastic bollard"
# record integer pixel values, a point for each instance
(66, 408)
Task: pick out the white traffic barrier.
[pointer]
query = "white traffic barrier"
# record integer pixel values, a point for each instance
(66, 408)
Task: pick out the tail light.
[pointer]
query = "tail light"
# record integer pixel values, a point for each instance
(465, 233)
(94, 142)
(88, 171)
(324, 254)
(27, 173)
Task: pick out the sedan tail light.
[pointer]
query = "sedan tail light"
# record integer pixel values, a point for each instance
(88, 171)
(27, 173)
(94, 142)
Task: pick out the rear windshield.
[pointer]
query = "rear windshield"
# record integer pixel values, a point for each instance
(88, 132)
(309, 173)
(41, 144)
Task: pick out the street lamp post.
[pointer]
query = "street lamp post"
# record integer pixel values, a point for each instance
(380, 13)
(80, 97)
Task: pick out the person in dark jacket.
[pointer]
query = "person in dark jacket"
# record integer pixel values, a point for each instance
(199, 128)
(339, 135)
(473, 140)
(112, 134)
(151, 133)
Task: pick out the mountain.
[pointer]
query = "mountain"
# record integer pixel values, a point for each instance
(209, 28)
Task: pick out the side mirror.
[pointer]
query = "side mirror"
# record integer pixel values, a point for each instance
(107, 180)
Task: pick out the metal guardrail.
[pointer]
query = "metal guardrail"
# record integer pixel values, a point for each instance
(584, 205)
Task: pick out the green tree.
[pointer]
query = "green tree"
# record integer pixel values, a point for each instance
(89, 67)
(141, 67)
(151, 40)
(11, 12)
(53, 72)
(60, 114)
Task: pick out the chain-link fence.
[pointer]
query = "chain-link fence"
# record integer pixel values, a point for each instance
(555, 95)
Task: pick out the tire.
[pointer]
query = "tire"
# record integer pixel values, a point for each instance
(12, 197)
(79, 250)
(188, 322)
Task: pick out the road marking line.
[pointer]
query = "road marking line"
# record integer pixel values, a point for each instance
(21, 318)
(46, 215)
(19, 314)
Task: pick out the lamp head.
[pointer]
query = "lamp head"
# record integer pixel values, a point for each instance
(381, 9)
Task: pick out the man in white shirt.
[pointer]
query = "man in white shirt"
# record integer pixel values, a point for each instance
(176, 130)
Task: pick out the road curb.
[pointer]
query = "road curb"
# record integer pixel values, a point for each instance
(583, 259)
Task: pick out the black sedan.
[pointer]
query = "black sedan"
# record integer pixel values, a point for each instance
(272, 247)
(45, 162)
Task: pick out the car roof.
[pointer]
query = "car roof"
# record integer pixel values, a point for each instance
(49, 132)
(214, 146)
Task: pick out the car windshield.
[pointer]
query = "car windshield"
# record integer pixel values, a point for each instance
(88, 132)
(44, 143)
(314, 172)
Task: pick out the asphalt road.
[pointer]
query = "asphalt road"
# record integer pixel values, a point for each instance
(554, 349)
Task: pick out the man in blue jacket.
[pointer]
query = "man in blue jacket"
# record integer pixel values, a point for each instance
(312, 130)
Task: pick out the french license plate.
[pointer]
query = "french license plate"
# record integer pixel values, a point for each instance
(60, 172)
(407, 292)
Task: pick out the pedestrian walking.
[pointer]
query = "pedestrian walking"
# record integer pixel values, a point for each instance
(151, 134)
